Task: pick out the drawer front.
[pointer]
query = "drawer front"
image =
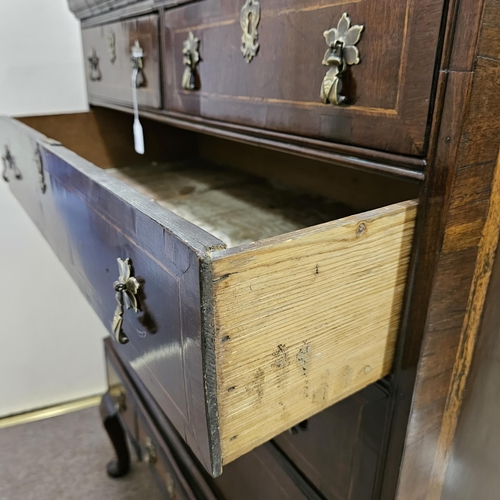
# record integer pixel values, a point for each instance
(388, 92)
(238, 482)
(157, 454)
(124, 400)
(339, 449)
(108, 58)
(91, 220)
(258, 475)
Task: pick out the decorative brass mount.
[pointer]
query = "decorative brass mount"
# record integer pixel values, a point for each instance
(191, 57)
(9, 164)
(137, 57)
(126, 290)
(112, 46)
(95, 72)
(341, 52)
(40, 169)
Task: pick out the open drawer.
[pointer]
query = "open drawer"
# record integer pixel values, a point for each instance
(235, 344)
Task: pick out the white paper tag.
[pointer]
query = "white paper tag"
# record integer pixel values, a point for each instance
(137, 128)
(138, 137)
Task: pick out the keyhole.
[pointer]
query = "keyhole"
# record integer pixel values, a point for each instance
(250, 19)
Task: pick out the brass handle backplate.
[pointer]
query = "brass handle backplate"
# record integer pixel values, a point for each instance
(150, 456)
(137, 57)
(95, 72)
(126, 288)
(9, 165)
(191, 58)
(341, 53)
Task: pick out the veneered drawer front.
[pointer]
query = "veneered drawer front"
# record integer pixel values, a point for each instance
(236, 345)
(339, 449)
(257, 475)
(166, 471)
(388, 92)
(108, 59)
(91, 220)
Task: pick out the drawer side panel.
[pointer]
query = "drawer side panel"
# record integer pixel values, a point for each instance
(305, 320)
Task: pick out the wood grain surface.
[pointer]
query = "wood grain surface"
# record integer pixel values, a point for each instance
(304, 320)
(457, 199)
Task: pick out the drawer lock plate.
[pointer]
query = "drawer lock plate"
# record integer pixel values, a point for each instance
(40, 169)
(341, 53)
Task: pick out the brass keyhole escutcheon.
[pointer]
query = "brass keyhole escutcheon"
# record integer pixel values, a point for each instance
(249, 20)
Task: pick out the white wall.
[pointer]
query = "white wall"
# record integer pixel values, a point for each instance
(42, 68)
(50, 339)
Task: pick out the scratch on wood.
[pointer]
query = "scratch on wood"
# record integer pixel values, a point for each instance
(347, 375)
(221, 278)
(304, 357)
(256, 387)
(281, 364)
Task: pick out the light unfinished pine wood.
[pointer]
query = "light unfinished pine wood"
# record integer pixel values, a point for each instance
(233, 206)
(306, 319)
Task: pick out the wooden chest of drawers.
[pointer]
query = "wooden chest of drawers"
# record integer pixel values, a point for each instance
(265, 260)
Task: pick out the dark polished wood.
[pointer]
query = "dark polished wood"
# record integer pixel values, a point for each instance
(388, 92)
(339, 449)
(119, 466)
(474, 457)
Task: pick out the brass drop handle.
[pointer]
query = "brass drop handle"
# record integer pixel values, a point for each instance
(190, 59)
(126, 288)
(150, 455)
(95, 72)
(341, 53)
(9, 165)
(112, 46)
(40, 169)
(137, 58)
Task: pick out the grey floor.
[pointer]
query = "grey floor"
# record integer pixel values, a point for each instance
(64, 458)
